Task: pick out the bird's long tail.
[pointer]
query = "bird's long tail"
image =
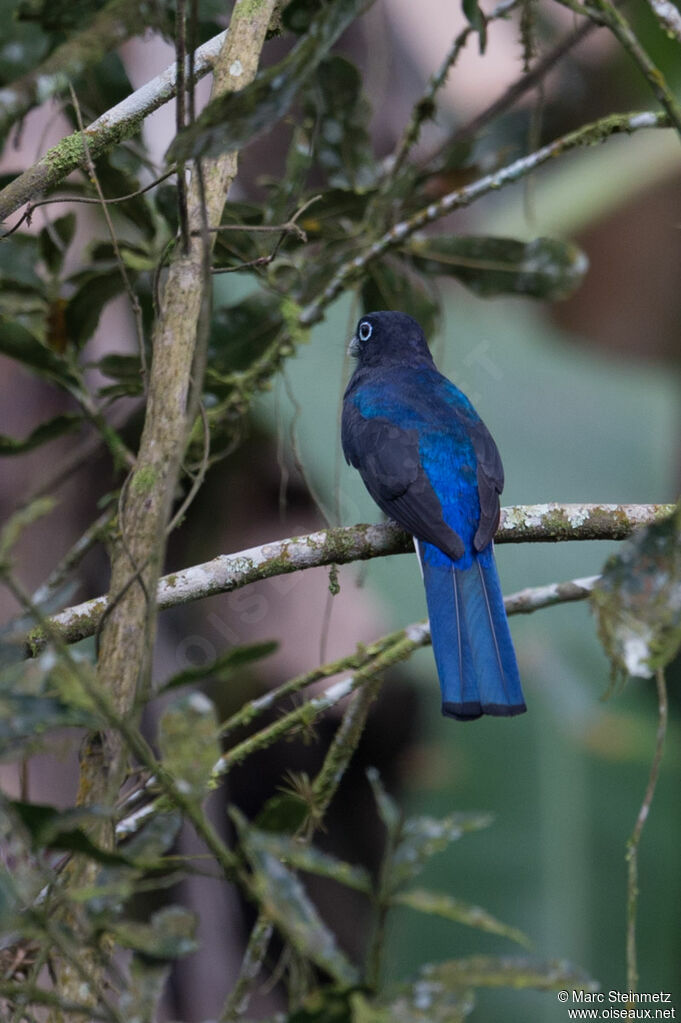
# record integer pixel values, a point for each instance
(471, 640)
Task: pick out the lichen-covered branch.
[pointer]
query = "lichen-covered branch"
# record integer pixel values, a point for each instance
(119, 123)
(588, 135)
(539, 523)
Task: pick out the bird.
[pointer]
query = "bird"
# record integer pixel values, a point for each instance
(431, 465)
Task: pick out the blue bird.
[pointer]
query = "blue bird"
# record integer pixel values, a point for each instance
(430, 463)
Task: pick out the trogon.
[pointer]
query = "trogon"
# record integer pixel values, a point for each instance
(431, 465)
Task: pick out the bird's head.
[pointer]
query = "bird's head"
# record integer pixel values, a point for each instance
(389, 338)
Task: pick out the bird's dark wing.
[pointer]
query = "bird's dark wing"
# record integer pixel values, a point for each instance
(490, 483)
(388, 461)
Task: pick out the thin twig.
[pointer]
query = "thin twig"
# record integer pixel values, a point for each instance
(92, 536)
(606, 13)
(424, 108)
(589, 134)
(134, 301)
(634, 840)
(523, 84)
(84, 200)
(180, 119)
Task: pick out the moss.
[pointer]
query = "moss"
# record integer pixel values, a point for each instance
(248, 8)
(557, 522)
(334, 585)
(611, 523)
(144, 480)
(35, 641)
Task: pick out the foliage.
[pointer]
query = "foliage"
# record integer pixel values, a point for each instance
(336, 218)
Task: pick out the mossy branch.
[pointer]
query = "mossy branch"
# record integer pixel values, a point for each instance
(539, 523)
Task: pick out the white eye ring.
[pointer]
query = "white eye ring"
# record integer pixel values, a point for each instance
(365, 331)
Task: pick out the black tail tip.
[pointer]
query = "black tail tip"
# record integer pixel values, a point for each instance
(473, 710)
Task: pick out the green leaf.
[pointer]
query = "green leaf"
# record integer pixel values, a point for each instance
(388, 809)
(419, 1002)
(340, 113)
(300, 855)
(236, 247)
(154, 838)
(22, 346)
(126, 370)
(117, 177)
(224, 667)
(423, 837)
(58, 15)
(286, 812)
(638, 600)
(188, 741)
(169, 935)
(28, 707)
(231, 120)
(54, 240)
(62, 830)
(440, 904)
(476, 17)
(74, 682)
(298, 14)
(337, 214)
(321, 1005)
(508, 971)
(239, 335)
(391, 284)
(27, 717)
(142, 995)
(285, 901)
(107, 84)
(85, 307)
(544, 268)
(57, 427)
(21, 520)
(18, 257)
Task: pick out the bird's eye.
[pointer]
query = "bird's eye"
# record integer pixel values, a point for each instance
(365, 330)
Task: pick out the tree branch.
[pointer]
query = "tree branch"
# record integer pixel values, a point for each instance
(519, 524)
(588, 135)
(635, 838)
(605, 12)
(121, 122)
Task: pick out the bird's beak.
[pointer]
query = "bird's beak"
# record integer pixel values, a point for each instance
(353, 347)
